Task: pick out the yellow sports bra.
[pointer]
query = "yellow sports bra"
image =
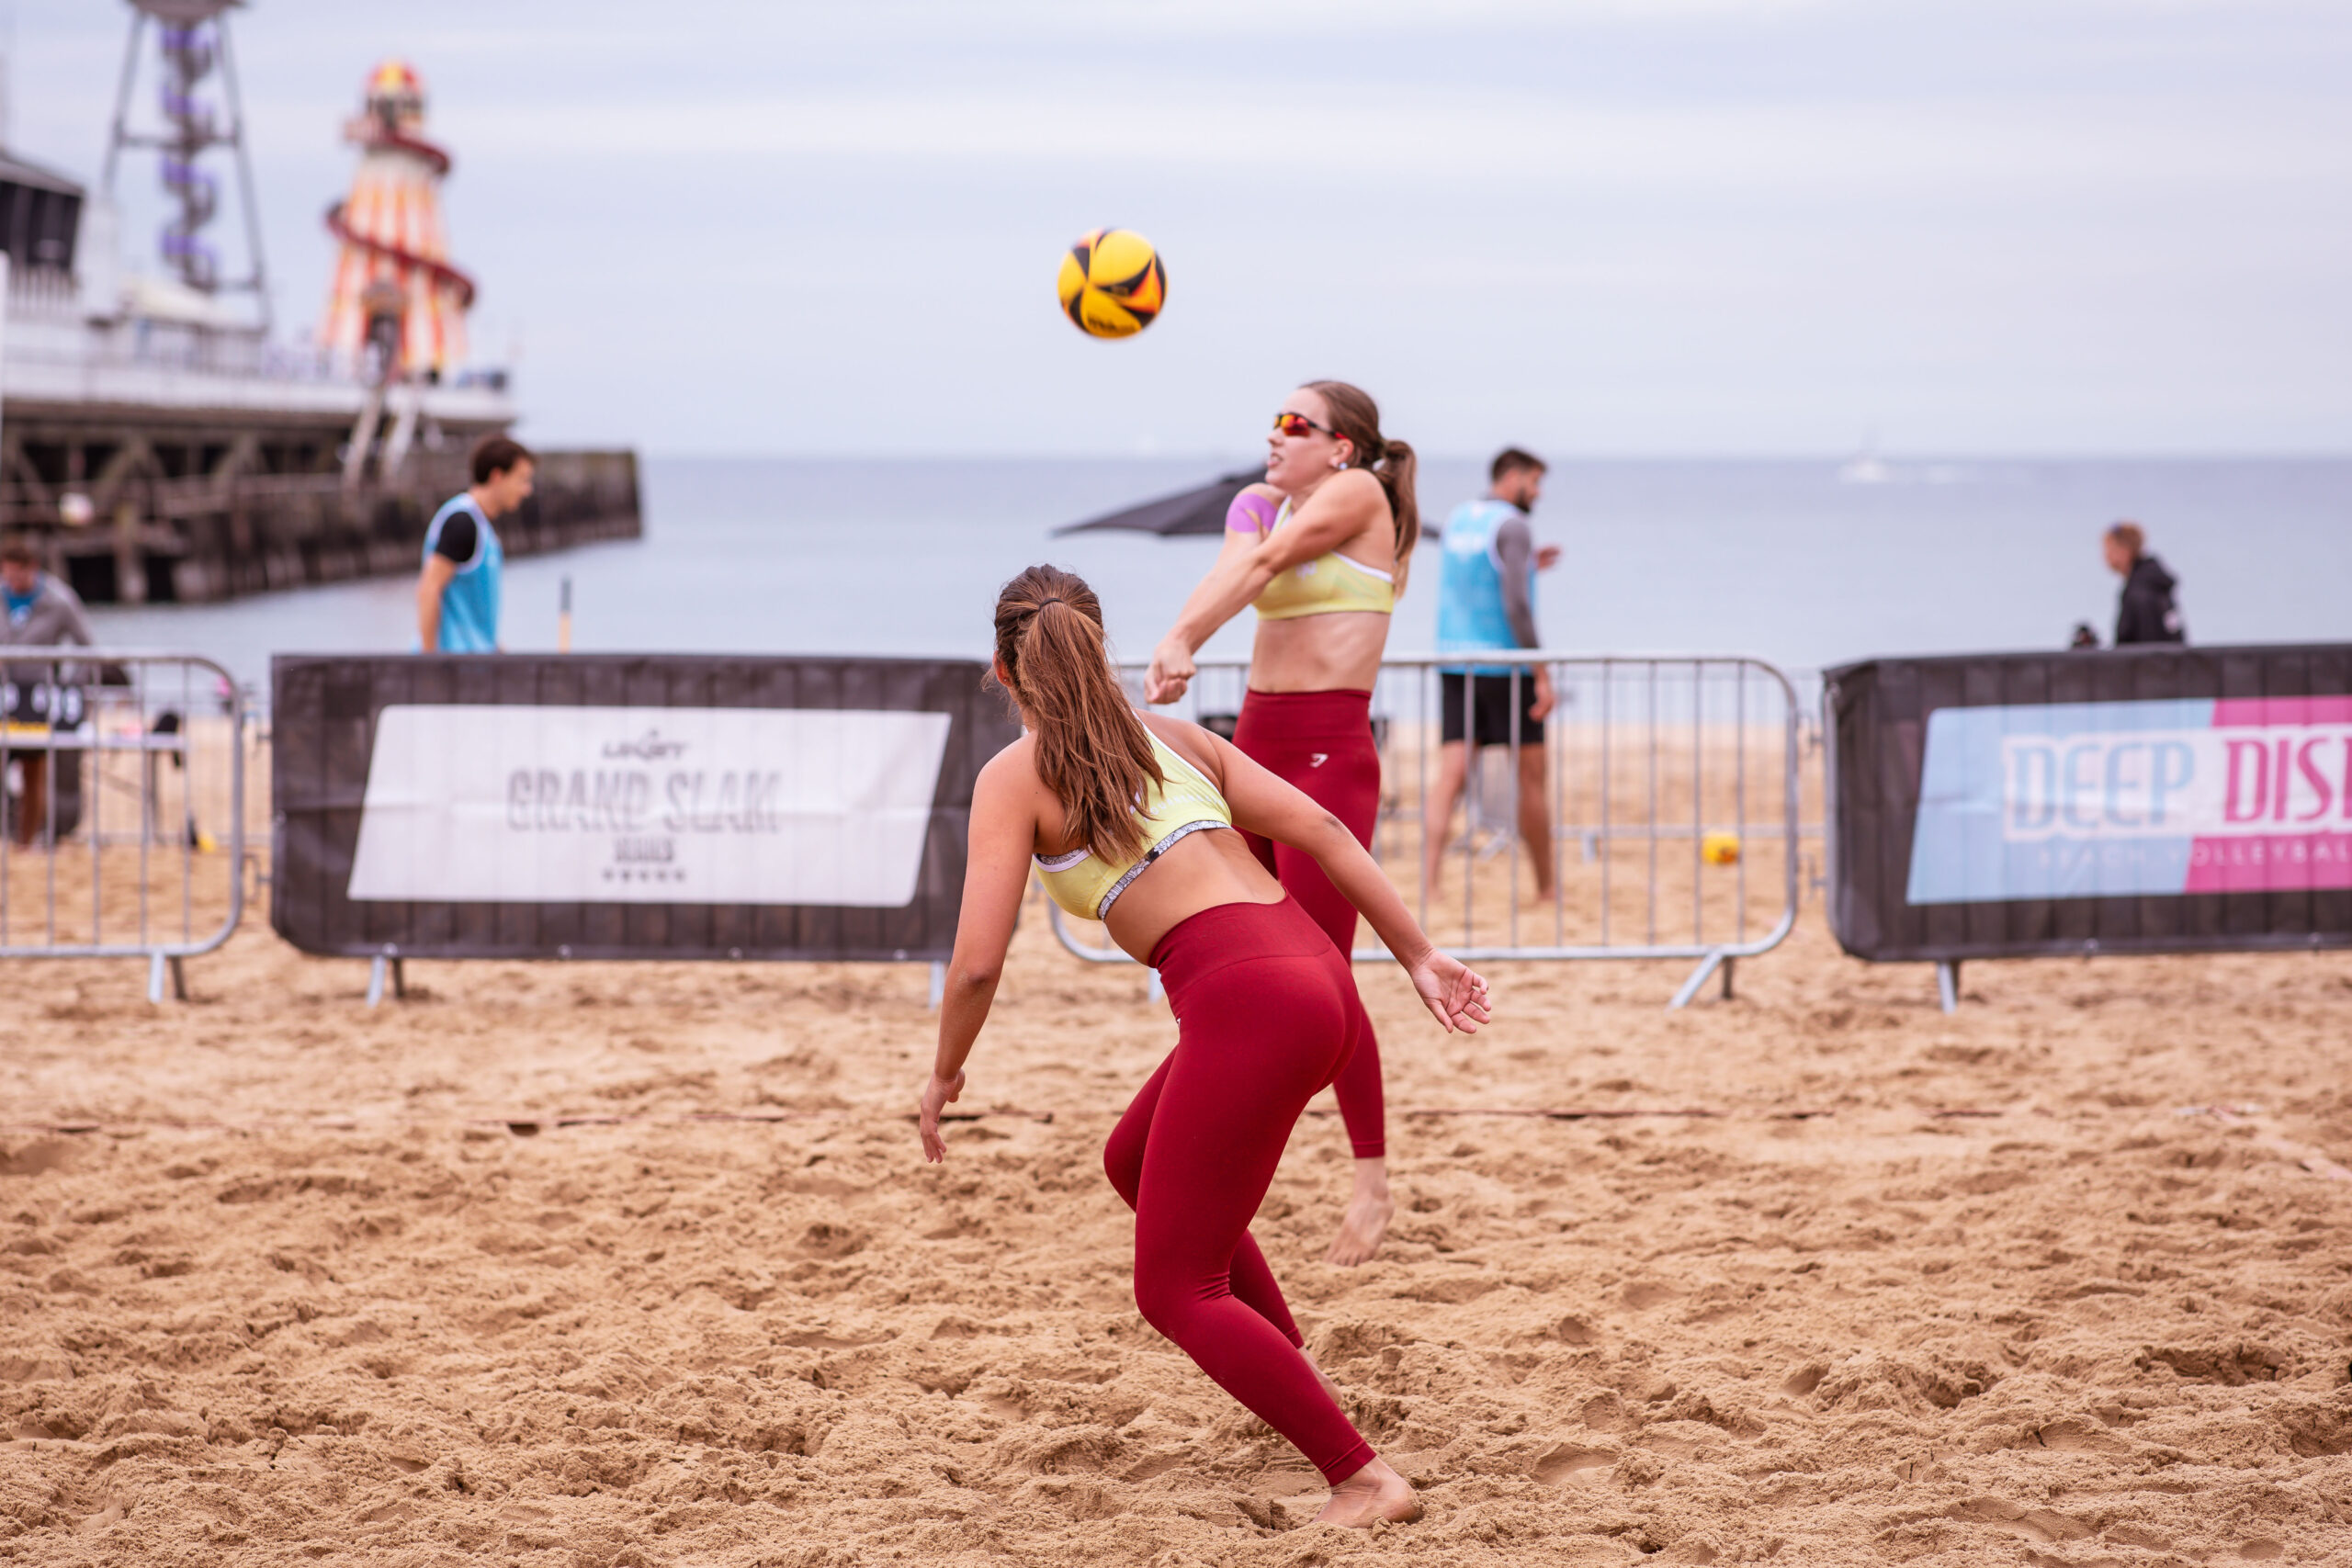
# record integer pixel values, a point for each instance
(1087, 885)
(1328, 583)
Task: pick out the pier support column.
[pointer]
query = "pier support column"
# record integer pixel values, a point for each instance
(130, 565)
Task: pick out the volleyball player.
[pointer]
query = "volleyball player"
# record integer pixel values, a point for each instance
(1133, 820)
(1320, 549)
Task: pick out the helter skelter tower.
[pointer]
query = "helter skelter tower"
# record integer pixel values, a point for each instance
(397, 310)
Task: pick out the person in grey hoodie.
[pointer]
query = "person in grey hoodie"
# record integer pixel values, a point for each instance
(2147, 611)
(41, 611)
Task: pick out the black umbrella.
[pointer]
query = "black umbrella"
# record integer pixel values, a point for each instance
(1198, 510)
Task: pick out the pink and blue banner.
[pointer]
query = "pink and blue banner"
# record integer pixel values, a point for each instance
(2107, 799)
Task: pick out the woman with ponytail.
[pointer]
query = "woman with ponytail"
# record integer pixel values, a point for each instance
(1138, 822)
(1321, 548)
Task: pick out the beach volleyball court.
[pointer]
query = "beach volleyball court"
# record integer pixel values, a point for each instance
(640, 1264)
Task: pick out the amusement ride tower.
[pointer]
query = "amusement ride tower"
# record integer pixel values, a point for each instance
(398, 310)
(396, 314)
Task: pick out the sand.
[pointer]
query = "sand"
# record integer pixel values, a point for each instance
(465, 1278)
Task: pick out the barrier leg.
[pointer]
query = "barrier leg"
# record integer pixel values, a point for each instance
(1948, 984)
(399, 979)
(1707, 966)
(377, 968)
(155, 977)
(1729, 964)
(938, 974)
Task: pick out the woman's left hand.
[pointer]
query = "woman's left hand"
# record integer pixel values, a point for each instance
(937, 1095)
(1455, 993)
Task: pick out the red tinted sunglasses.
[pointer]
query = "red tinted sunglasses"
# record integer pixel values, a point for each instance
(1299, 424)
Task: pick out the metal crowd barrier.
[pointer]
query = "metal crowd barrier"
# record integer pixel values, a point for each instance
(1670, 791)
(122, 820)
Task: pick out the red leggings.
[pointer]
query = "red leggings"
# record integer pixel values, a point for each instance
(1266, 1012)
(1322, 742)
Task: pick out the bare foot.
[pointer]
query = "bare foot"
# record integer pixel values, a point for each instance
(1371, 1495)
(1366, 1221)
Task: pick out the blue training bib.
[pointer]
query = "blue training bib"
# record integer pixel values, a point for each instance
(470, 603)
(1470, 614)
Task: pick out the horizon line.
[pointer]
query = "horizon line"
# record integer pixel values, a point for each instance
(1833, 459)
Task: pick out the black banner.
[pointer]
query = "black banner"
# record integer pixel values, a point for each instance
(2137, 800)
(626, 805)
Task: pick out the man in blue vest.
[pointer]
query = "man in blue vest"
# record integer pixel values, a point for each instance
(1486, 600)
(456, 593)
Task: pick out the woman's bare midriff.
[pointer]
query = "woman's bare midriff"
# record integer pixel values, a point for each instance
(1340, 651)
(1199, 871)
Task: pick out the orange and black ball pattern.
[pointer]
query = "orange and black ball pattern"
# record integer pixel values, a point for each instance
(1111, 283)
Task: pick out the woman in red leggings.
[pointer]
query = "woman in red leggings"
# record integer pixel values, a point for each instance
(1132, 820)
(1320, 548)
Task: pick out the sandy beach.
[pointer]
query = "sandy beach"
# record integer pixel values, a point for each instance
(639, 1265)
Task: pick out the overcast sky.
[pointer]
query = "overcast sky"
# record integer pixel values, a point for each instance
(1672, 227)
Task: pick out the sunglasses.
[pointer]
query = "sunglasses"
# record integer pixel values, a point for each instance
(1298, 424)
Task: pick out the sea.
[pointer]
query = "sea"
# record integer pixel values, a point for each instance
(1807, 564)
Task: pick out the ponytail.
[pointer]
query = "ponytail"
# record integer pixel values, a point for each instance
(1093, 751)
(1395, 470)
(1357, 417)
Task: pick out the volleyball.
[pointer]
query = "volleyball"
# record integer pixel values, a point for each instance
(1112, 284)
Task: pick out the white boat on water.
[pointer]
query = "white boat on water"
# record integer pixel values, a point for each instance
(1866, 467)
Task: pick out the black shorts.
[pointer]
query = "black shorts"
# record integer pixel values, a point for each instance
(1491, 699)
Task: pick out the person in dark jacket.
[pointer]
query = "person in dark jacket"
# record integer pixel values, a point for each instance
(2147, 611)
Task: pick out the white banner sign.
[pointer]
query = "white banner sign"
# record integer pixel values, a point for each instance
(512, 805)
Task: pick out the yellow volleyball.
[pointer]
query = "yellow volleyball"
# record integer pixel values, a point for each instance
(1111, 283)
(1719, 849)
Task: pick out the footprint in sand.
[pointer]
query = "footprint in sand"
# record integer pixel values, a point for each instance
(1569, 1462)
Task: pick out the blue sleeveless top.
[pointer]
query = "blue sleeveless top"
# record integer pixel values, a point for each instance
(1470, 585)
(470, 603)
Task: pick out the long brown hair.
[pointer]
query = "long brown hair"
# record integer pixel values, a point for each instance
(1357, 417)
(1093, 751)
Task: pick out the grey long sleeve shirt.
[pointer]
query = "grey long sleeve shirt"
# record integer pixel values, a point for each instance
(1515, 552)
(53, 617)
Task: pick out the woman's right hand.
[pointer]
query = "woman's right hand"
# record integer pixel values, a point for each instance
(1455, 993)
(938, 1093)
(1172, 672)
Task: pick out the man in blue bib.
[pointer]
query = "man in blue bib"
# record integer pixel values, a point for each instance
(1486, 600)
(458, 592)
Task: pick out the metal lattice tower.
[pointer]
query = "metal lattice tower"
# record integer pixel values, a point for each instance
(193, 41)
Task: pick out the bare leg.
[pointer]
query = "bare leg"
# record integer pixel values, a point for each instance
(1535, 817)
(1371, 1495)
(32, 807)
(1325, 1378)
(1366, 1221)
(1437, 811)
